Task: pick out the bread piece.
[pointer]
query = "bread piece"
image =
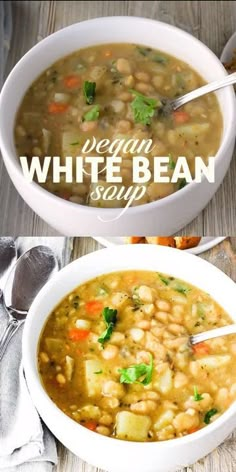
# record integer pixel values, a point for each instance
(162, 241)
(134, 239)
(186, 242)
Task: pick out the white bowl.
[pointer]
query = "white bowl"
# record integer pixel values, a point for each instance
(110, 454)
(162, 217)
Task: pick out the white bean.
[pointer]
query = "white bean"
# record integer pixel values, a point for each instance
(110, 352)
(113, 389)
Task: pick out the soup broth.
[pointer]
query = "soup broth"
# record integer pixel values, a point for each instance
(114, 356)
(112, 91)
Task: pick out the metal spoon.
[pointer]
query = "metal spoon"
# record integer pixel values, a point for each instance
(32, 270)
(213, 333)
(172, 105)
(7, 258)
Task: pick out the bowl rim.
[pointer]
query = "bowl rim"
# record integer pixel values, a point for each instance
(12, 161)
(28, 363)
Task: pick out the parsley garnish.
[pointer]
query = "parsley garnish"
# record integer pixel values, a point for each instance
(171, 162)
(110, 318)
(89, 89)
(98, 372)
(197, 396)
(182, 183)
(160, 59)
(144, 51)
(143, 107)
(209, 414)
(134, 373)
(75, 143)
(178, 287)
(92, 115)
(165, 280)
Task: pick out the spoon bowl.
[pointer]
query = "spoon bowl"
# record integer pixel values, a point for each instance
(30, 273)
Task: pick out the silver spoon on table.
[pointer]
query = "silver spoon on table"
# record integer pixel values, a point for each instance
(169, 106)
(7, 258)
(30, 273)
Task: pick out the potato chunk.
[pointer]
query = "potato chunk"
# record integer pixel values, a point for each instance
(132, 427)
(93, 381)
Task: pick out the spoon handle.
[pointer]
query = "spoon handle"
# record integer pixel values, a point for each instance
(10, 330)
(213, 333)
(228, 80)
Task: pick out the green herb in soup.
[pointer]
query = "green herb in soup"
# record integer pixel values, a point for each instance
(114, 91)
(114, 356)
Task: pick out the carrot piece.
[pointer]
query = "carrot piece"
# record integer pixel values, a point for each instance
(90, 425)
(55, 108)
(65, 194)
(181, 117)
(108, 53)
(94, 307)
(72, 81)
(193, 430)
(201, 349)
(78, 334)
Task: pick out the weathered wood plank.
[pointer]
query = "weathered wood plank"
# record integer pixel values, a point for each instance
(211, 21)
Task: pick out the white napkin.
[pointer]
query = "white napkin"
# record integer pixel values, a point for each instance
(26, 445)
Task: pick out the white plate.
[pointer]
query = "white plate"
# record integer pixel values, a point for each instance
(205, 243)
(229, 48)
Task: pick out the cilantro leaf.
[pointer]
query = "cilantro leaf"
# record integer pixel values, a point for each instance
(182, 183)
(197, 396)
(171, 162)
(160, 59)
(164, 279)
(181, 288)
(134, 373)
(89, 89)
(92, 115)
(209, 414)
(110, 318)
(143, 107)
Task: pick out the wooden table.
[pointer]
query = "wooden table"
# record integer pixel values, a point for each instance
(211, 21)
(223, 459)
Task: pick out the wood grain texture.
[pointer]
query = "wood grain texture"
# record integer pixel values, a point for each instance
(211, 21)
(224, 457)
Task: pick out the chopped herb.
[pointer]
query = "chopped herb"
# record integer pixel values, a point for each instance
(136, 298)
(180, 81)
(75, 302)
(182, 183)
(110, 318)
(92, 115)
(143, 107)
(102, 291)
(197, 396)
(75, 143)
(201, 310)
(144, 51)
(160, 59)
(89, 90)
(98, 372)
(209, 414)
(165, 280)
(171, 162)
(138, 373)
(179, 287)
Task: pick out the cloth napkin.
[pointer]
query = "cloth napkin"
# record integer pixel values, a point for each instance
(26, 445)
